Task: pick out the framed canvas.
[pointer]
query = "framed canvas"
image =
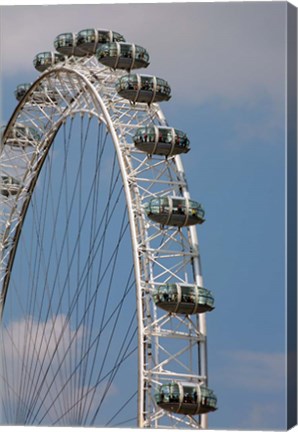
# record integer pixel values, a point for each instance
(148, 215)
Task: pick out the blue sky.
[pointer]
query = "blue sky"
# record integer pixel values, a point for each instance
(225, 64)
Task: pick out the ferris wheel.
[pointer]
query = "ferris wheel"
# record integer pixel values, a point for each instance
(102, 298)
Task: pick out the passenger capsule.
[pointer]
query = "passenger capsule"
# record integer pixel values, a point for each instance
(186, 398)
(175, 211)
(21, 90)
(21, 136)
(121, 55)
(88, 40)
(9, 186)
(183, 298)
(143, 88)
(159, 140)
(44, 60)
(66, 43)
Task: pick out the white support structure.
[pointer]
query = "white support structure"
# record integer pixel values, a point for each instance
(171, 346)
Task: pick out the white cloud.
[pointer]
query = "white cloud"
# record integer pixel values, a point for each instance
(260, 372)
(39, 366)
(263, 416)
(43, 338)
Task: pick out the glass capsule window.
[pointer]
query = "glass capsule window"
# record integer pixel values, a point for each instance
(141, 134)
(186, 398)
(155, 206)
(165, 141)
(145, 90)
(190, 394)
(103, 36)
(150, 134)
(208, 398)
(183, 299)
(46, 59)
(109, 36)
(162, 135)
(196, 209)
(64, 40)
(188, 294)
(122, 55)
(126, 50)
(104, 51)
(147, 83)
(122, 49)
(87, 36)
(174, 211)
(128, 82)
(161, 205)
(179, 206)
(172, 293)
(172, 391)
(181, 139)
(21, 90)
(145, 134)
(162, 86)
(166, 293)
(108, 50)
(206, 297)
(158, 85)
(141, 53)
(165, 135)
(99, 36)
(117, 37)
(66, 43)
(164, 201)
(43, 58)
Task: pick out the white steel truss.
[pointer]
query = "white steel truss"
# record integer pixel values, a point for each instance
(171, 346)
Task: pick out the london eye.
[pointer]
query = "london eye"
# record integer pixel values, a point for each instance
(103, 305)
